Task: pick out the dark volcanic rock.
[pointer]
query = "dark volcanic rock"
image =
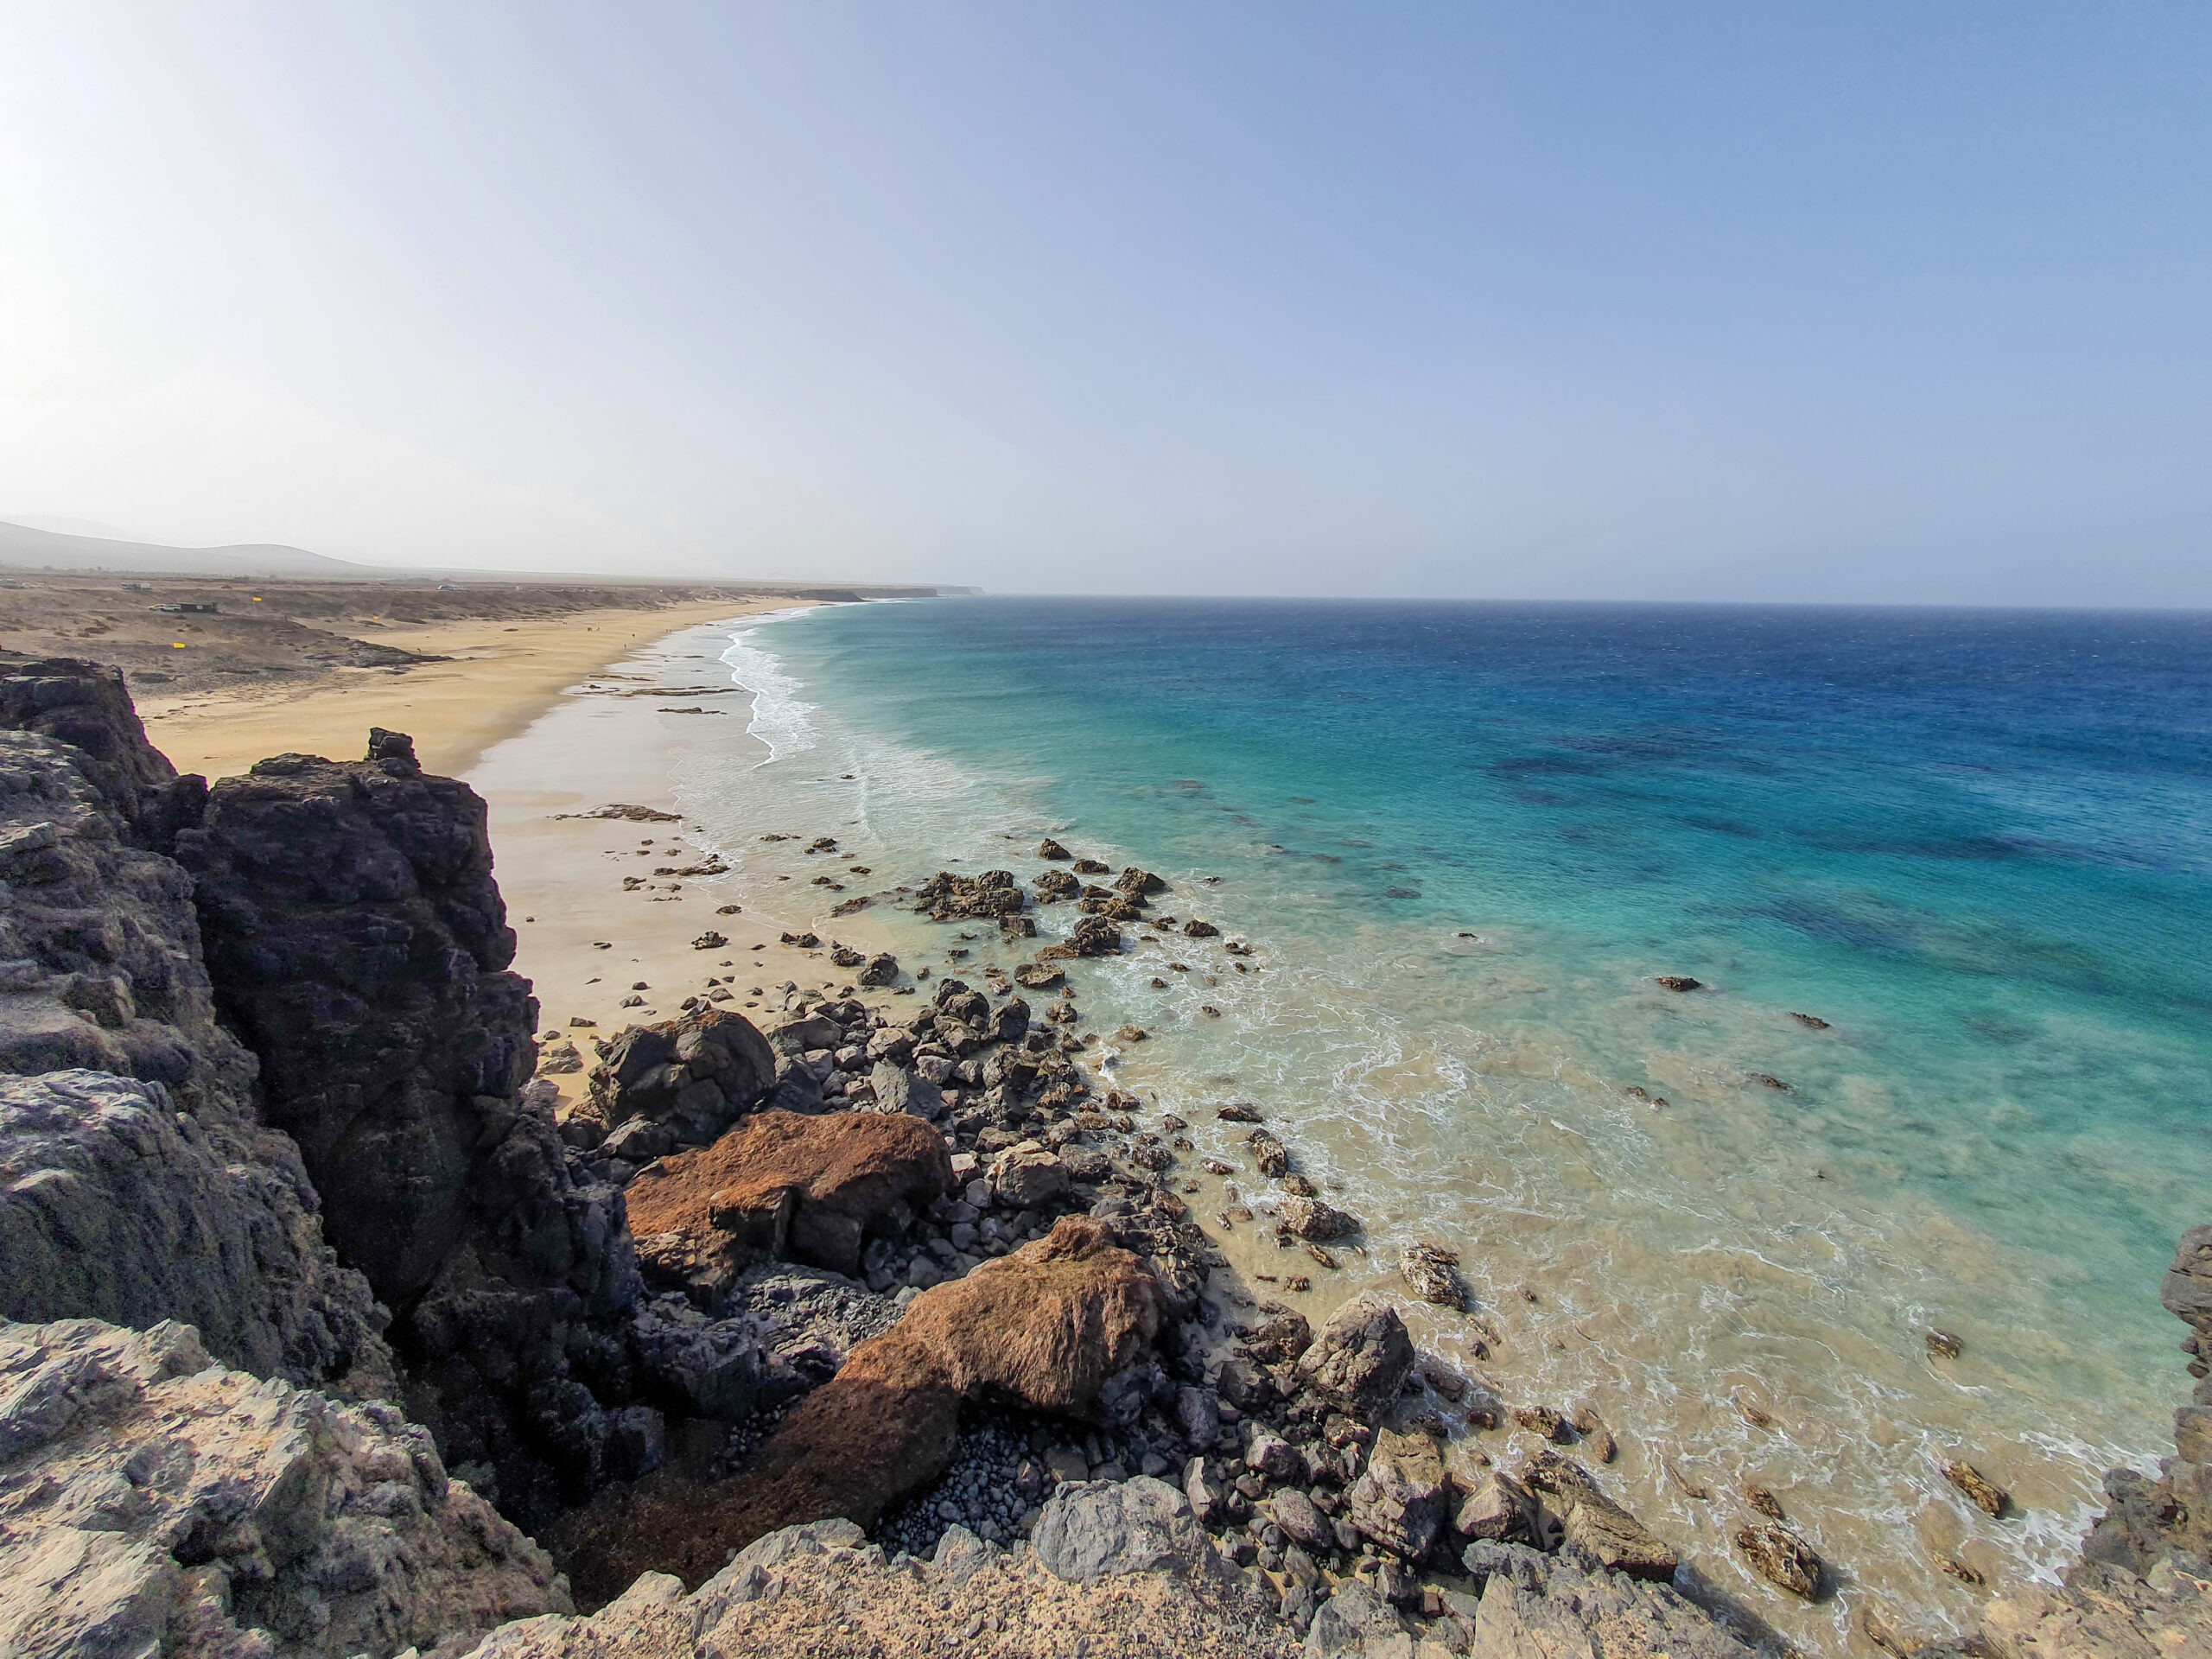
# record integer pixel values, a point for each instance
(694, 1075)
(357, 943)
(135, 1180)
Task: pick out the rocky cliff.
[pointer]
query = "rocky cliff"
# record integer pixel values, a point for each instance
(357, 944)
(153, 1502)
(136, 1181)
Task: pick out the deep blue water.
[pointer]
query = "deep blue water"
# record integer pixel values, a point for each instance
(1995, 827)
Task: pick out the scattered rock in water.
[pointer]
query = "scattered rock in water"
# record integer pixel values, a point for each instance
(711, 940)
(1990, 1498)
(1129, 1034)
(1543, 1420)
(1678, 982)
(1768, 1080)
(1268, 1153)
(1595, 1435)
(1813, 1020)
(1090, 867)
(1052, 850)
(804, 941)
(1311, 1219)
(1943, 1344)
(1763, 1500)
(1195, 929)
(881, 969)
(1239, 1113)
(946, 897)
(1052, 886)
(1780, 1557)
(1039, 976)
(1094, 936)
(1432, 1272)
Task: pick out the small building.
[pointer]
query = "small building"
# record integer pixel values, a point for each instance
(190, 610)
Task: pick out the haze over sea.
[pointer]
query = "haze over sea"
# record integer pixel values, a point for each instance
(1463, 839)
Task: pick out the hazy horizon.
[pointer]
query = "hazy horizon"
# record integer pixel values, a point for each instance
(1890, 307)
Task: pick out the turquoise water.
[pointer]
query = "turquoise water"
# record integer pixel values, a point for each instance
(1466, 838)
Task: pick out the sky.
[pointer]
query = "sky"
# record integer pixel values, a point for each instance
(1877, 302)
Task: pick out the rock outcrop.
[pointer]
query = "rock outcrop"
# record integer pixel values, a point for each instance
(356, 940)
(358, 945)
(153, 1502)
(139, 1183)
(776, 1596)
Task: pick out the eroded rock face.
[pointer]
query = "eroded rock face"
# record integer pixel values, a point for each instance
(156, 1502)
(784, 1184)
(358, 945)
(1552, 1604)
(114, 1203)
(139, 1182)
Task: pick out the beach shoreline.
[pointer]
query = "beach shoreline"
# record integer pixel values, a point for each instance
(493, 678)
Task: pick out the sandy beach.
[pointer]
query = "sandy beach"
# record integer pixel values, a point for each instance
(500, 676)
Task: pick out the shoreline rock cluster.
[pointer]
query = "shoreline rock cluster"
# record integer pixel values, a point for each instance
(317, 1306)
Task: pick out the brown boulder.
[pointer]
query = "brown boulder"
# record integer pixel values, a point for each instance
(784, 1185)
(1310, 1219)
(1044, 1327)
(1780, 1556)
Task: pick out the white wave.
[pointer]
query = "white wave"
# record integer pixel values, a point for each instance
(780, 720)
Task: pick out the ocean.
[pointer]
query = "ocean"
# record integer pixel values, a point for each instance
(1467, 840)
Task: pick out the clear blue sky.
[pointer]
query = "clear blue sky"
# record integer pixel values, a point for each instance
(1870, 301)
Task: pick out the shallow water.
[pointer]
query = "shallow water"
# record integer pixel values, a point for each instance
(1463, 839)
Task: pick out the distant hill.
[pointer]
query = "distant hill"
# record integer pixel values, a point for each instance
(23, 547)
